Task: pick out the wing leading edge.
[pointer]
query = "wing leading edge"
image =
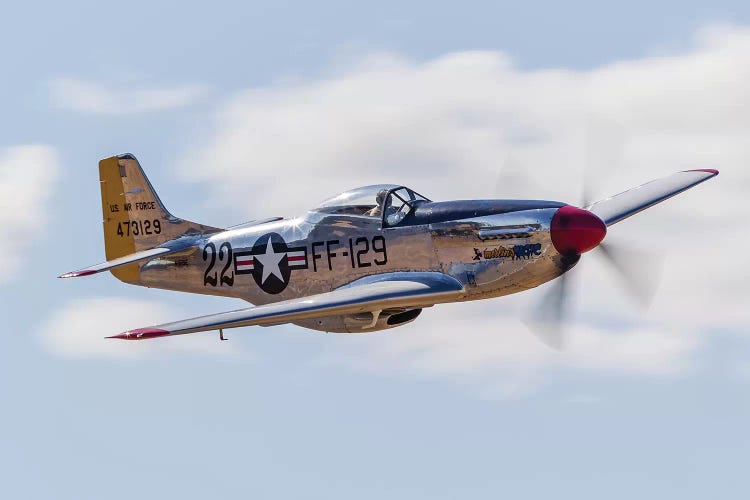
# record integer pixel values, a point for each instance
(372, 293)
(621, 206)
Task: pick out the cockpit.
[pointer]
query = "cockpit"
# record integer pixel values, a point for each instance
(390, 202)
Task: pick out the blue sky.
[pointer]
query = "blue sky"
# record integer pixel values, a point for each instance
(216, 100)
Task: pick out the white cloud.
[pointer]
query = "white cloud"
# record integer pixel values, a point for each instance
(86, 96)
(486, 345)
(27, 176)
(77, 330)
(448, 124)
(445, 127)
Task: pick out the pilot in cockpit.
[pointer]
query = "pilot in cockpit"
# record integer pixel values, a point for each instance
(379, 199)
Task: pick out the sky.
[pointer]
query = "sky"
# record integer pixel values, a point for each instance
(248, 110)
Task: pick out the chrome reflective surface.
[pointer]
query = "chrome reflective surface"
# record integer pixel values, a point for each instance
(490, 247)
(366, 260)
(492, 256)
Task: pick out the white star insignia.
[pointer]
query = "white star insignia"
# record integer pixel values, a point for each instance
(270, 261)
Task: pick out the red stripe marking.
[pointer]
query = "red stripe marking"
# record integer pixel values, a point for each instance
(295, 258)
(707, 170)
(141, 334)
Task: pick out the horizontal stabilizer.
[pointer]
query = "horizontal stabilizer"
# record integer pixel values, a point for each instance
(621, 206)
(173, 246)
(372, 293)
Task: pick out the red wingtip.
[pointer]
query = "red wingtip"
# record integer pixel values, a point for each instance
(76, 274)
(707, 170)
(140, 334)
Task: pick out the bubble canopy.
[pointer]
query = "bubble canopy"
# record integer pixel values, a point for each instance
(365, 200)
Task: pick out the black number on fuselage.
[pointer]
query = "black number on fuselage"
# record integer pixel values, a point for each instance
(211, 277)
(208, 278)
(361, 246)
(362, 251)
(381, 250)
(226, 280)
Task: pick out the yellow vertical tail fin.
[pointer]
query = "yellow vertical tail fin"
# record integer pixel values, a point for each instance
(134, 217)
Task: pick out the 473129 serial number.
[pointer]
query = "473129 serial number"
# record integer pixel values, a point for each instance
(138, 227)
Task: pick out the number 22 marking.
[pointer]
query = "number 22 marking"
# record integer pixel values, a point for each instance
(211, 277)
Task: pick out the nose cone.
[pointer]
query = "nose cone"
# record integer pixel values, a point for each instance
(575, 231)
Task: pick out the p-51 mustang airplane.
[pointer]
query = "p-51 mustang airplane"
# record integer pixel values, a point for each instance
(368, 259)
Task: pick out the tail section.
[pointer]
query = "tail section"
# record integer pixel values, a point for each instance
(135, 219)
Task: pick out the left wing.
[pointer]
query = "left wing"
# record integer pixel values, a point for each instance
(173, 246)
(369, 294)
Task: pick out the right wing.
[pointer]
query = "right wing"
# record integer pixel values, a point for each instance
(621, 206)
(369, 294)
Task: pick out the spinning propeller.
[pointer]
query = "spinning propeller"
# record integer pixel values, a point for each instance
(575, 231)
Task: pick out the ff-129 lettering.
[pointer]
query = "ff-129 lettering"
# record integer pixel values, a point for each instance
(359, 252)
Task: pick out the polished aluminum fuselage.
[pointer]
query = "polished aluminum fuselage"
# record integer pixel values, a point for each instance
(491, 255)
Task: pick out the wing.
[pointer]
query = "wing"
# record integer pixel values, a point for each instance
(372, 293)
(621, 206)
(172, 246)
